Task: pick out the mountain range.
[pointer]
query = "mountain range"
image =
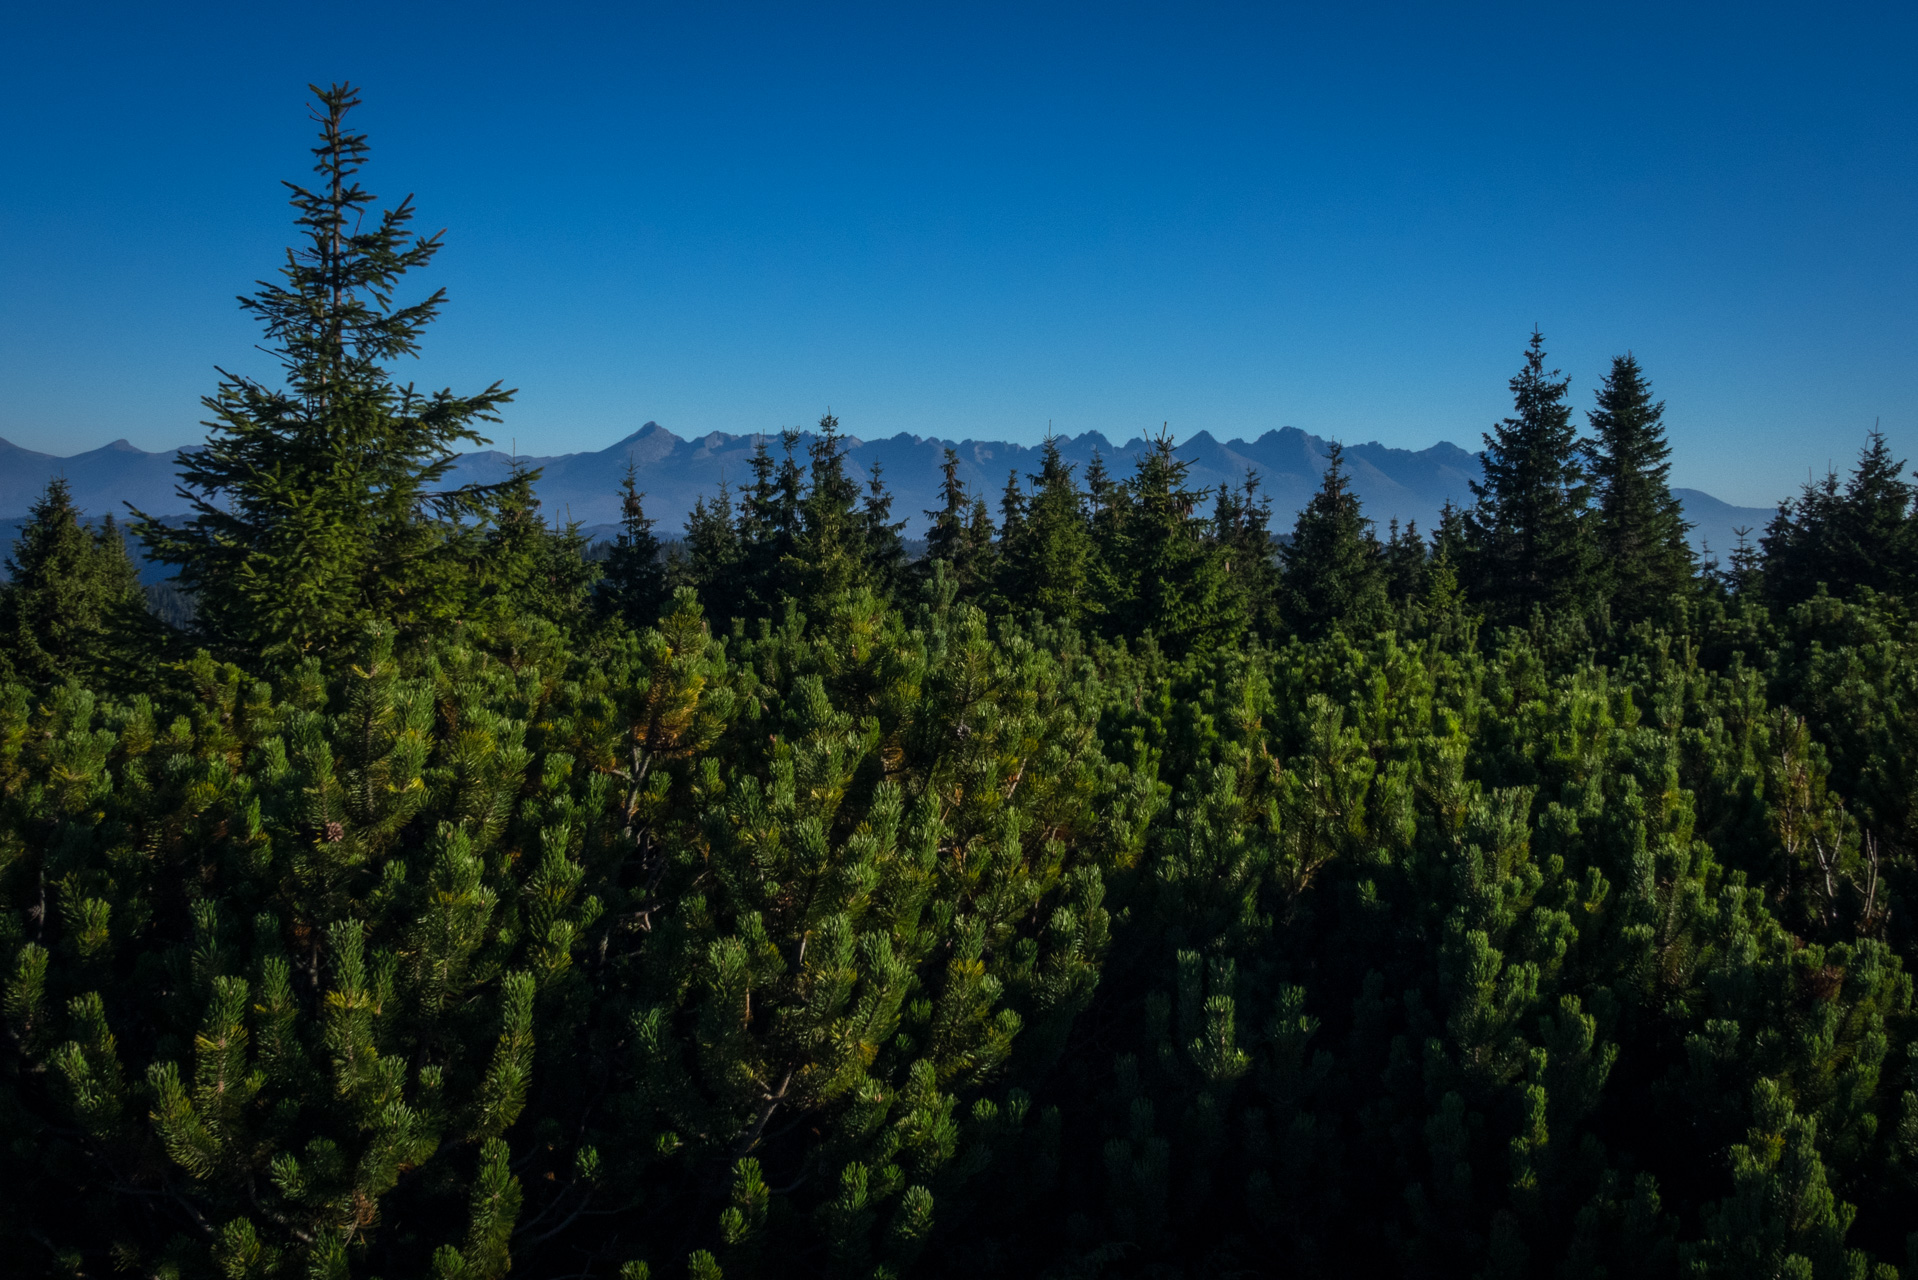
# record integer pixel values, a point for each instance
(1406, 484)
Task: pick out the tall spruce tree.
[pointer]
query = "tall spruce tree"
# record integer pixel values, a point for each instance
(829, 556)
(1744, 570)
(1048, 553)
(1532, 546)
(884, 537)
(1101, 489)
(961, 531)
(316, 506)
(1012, 511)
(1334, 566)
(72, 606)
(1864, 534)
(1174, 567)
(1639, 526)
(769, 525)
(945, 535)
(1242, 527)
(1452, 540)
(527, 570)
(1406, 561)
(1108, 509)
(633, 586)
(712, 565)
(1441, 598)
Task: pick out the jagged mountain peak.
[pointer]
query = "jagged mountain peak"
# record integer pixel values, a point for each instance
(673, 471)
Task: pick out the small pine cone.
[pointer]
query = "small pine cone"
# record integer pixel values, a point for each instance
(335, 832)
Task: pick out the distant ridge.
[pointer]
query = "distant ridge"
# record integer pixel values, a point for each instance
(102, 479)
(1411, 485)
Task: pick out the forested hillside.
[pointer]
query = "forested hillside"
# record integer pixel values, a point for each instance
(1116, 890)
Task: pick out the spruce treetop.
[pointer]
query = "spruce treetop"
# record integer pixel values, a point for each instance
(1048, 552)
(1861, 534)
(71, 595)
(316, 504)
(1641, 527)
(949, 518)
(634, 587)
(961, 531)
(831, 537)
(1533, 546)
(332, 313)
(1173, 566)
(1334, 566)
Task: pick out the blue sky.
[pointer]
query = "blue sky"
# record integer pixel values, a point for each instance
(974, 220)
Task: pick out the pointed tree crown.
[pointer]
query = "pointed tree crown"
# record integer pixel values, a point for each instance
(1531, 544)
(316, 504)
(1334, 566)
(1641, 527)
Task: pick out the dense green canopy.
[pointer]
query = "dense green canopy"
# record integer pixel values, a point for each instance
(1114, 891)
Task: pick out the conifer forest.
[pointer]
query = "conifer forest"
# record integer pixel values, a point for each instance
(1123, 886)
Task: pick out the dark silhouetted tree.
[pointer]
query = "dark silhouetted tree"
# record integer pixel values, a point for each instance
(713, 560)
(885, 543)
(1334, 566)
(1173, 566)
(769, 524)
(72, 606)
(1406, 561)
(1639, 526)
(961, 531)
(1242, 527)
(829, 556)
(633, 582)
(1862, 535)
(528, 569)
(1531, 546)
(1046, 557)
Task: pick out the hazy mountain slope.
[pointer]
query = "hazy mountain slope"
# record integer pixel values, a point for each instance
(1411, 485)
(1403, 483)
(1715, 524)
(102, 479)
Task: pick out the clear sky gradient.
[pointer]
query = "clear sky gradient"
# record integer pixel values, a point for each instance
(973, 220)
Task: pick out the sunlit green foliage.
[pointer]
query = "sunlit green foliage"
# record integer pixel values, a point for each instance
(1110, 894)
